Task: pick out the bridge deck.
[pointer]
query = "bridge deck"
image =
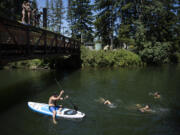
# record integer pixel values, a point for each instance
(22, 41)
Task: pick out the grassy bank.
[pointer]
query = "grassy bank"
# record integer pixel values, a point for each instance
(58, 62)
(28, 64)
(115, 58)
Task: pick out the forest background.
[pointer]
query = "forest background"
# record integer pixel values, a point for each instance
(149, 28)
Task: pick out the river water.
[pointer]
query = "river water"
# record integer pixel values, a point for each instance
(123, 87)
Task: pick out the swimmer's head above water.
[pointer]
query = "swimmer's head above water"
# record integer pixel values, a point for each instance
(145, 109)
(106, 102)
(157, 95)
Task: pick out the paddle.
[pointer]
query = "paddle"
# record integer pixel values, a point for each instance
(60, 86)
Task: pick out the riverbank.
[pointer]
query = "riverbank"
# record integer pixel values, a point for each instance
(110, 58)
(88, 58)
(57, 62)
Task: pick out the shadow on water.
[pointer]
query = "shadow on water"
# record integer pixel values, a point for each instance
(34, 83)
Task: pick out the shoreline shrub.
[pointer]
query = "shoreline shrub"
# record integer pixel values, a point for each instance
(110, 58)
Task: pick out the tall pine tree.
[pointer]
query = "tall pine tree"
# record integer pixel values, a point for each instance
(59, 15)
(80, 19)
(105, 20)
(11, 9)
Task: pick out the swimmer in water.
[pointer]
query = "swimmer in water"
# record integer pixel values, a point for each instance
(105, 102)
(144, 109)
(156, 95)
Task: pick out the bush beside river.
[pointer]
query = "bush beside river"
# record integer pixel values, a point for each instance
(28, 64)
(109, 58)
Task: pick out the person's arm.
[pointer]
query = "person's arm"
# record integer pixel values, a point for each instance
(24, 4)
(141, 109)
(66, 97)
(107, 102)
(60, 94)
(59, 97)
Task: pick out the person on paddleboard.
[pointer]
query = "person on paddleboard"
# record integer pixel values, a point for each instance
(52, 104)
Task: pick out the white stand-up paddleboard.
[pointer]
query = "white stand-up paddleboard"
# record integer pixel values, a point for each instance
(64, 113)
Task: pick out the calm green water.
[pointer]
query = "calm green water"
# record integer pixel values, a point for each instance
(123, 87)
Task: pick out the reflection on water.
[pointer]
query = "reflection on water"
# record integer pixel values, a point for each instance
(123, 87)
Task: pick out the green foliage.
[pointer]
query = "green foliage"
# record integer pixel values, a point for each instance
(55, 15)
(11, 9)
(177, 54)
(140, 34)
(116, 58)
(151, 26)
(59, 14)
(48, 13)
(156, 53)
(124, 34)
(57, 62)
(175, 57)
(34, 4)
(154, 26)
(29, 64)
(105, 19)
(80, 19)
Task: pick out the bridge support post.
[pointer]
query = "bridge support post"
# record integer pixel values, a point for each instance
(45, 17)
(27, 42)
(45, 43)
(56, 47)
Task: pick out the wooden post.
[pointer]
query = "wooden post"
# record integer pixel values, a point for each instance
(45, 26)
(45, 42)
(56, 48)
(27, 42)
(64, 44)
(45, 17)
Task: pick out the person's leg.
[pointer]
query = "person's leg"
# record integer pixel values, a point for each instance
(53, 110)
(23, 16)
(29, 17)
(54, 117)
(60, 108)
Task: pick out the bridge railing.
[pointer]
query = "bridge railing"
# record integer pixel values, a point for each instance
(21, 39)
